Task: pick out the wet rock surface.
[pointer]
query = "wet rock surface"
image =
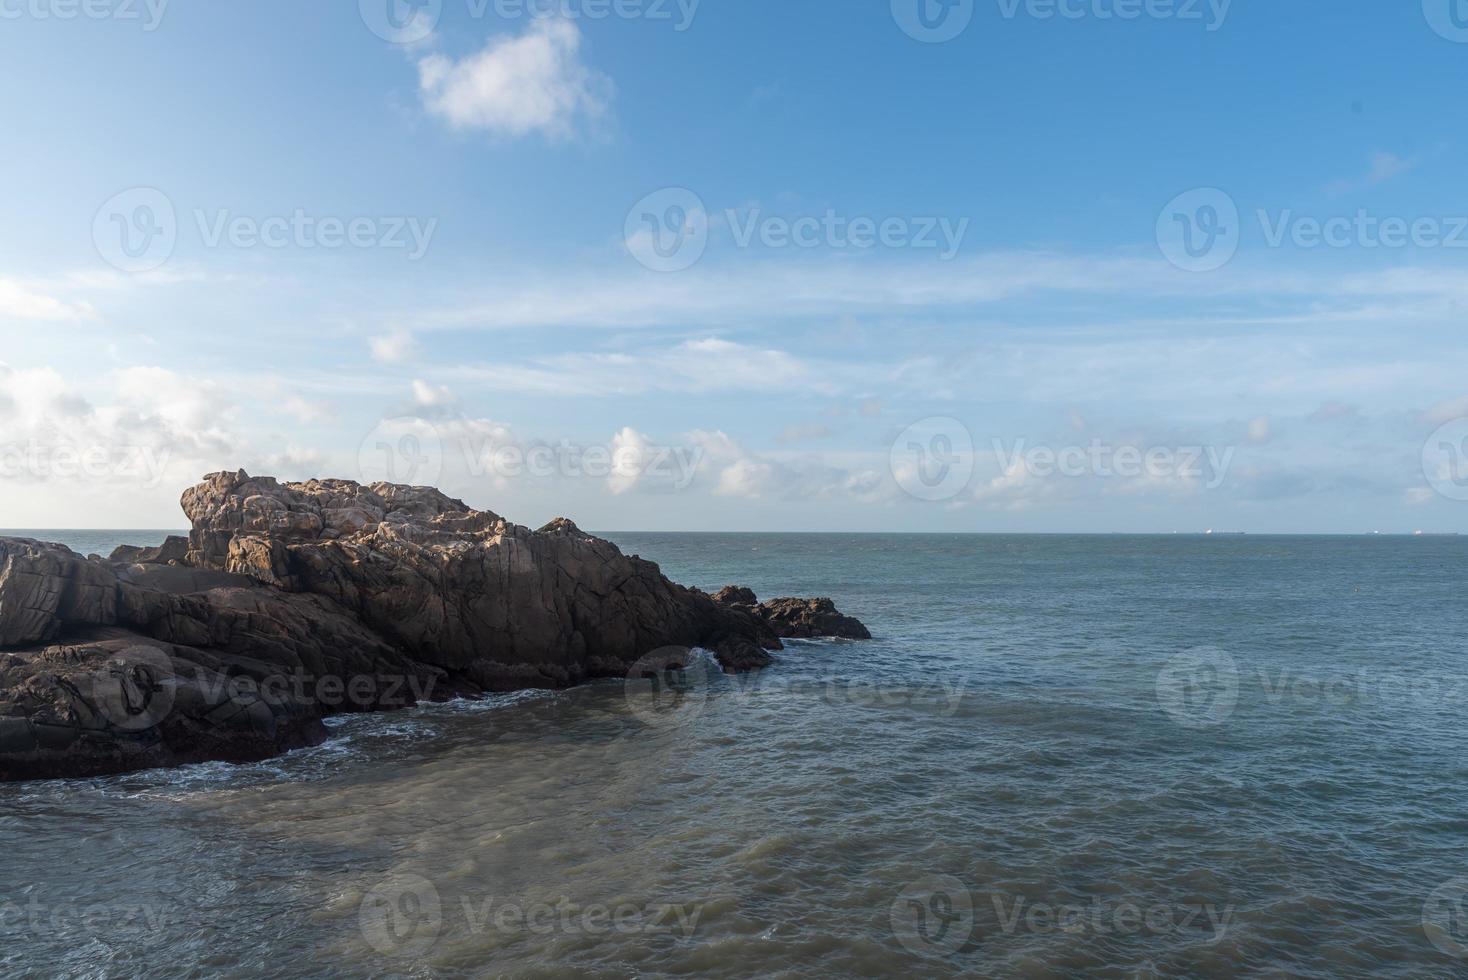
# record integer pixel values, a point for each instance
(794, 618)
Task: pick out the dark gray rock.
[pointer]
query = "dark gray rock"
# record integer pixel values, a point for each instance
(290, 602)
(794, 618)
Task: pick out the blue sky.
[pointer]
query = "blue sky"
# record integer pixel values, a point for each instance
(890, 283)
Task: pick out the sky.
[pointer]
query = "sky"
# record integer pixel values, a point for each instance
(896, 265)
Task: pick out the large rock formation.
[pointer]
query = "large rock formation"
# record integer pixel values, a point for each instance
(291, 602)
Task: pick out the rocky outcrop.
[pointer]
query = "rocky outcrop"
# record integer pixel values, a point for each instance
(794, 618)
(172, 551)
(290, 602)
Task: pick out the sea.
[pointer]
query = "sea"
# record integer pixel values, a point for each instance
(1060, 756)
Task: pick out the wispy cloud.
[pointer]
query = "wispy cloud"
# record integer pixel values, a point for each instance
(739, 294)
(21, 301)
(703, 365)
(392, 347)
(1381, 168)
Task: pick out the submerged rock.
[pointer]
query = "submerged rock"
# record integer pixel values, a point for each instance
(291, 602)
(794, 618)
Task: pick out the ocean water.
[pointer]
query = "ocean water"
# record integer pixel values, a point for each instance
(1061, 756)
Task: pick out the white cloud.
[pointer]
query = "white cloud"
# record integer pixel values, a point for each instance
(188, 403)
(738, 472)
(22, 302)
(629, 448)
(745, 478)
(533, 83)
(391, 348)
(1016, 488)
(426, 395)
(304, 410)
(131, 432)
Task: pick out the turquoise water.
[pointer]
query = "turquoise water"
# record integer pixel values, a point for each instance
(1111, 756)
